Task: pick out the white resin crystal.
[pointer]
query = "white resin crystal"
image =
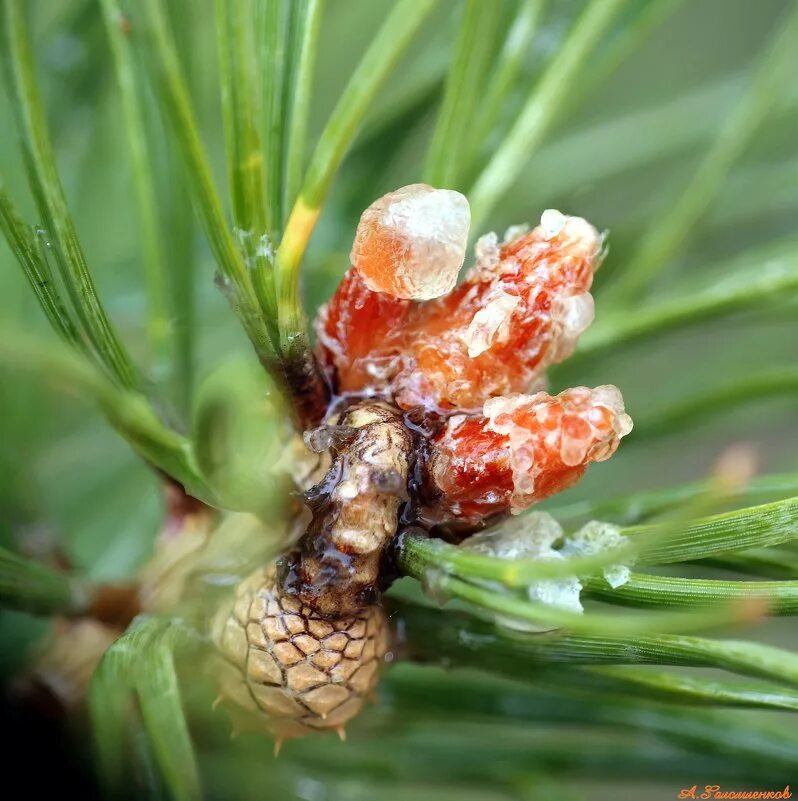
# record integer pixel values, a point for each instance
(573, 315)
(487, 252)
(581, 239)
(561, 593)
(527, 537)
(514, 232)
(530, 537)
(552, 222)
(610, 396)
(411, 243)
(491, 323)
(597, 537)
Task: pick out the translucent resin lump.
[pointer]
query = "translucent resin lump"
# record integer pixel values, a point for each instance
(522, 449)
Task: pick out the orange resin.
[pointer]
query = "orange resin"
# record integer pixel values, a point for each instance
(520, 309)
(521, 450)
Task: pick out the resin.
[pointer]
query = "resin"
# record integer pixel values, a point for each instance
(522, 449)
(521, 308)
(411, 243)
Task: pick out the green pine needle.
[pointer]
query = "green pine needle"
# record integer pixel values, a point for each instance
(138, 674)
(18, 64)
(668, 234)
(173, 99)
(153, 248)
(474, 52)
(380, 58)
(541, 107)
(127, 411)
(777, 597)
(29, 586)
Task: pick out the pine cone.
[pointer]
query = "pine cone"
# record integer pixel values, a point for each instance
(305, 672)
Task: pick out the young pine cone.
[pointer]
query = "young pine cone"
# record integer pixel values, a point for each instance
(305, 672)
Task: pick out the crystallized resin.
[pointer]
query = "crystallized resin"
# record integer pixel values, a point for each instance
(532, 536)
(597, 537)
(522, 449)
(411, 243)
(521, 308)
(510, 319)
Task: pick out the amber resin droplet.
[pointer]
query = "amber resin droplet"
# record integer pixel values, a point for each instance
(411, 243)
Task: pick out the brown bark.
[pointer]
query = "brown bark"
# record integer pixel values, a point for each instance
(335, 568)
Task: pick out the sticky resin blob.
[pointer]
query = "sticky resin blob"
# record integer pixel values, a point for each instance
(409, 246)
(411, 243)
(521, 308)
(522, 449)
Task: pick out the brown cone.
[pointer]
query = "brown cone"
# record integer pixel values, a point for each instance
(305, 672)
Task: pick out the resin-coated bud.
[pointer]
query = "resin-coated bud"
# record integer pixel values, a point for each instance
(411, 243)
(335, 566)
(521, 308)
(350, 330)
(522, 449)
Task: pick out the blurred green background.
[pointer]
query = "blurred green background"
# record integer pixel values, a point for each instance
(619, 157)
